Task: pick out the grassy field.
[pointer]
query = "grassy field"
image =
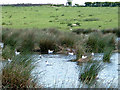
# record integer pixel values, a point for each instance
(60, 17)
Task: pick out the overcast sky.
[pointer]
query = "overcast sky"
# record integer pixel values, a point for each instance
(81, 2)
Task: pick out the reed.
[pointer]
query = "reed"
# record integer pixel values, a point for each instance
(90, 71)
(17, 74)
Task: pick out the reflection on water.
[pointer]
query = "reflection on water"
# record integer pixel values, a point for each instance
(56, 71)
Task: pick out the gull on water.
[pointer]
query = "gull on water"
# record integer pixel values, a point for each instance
(17, 53)
(50, 51)
(70, 53)
(9, 60)
(84, 57)
(48, 64)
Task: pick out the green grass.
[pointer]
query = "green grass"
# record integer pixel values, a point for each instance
(49, 17)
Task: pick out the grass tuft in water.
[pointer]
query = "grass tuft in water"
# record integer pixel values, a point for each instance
(107, 54)
(8, 52)
(17, 74)
(97, 42)
(90, 72)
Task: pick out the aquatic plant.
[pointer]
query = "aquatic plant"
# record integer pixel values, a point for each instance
(47, 42)
(26, 41)
(8, 52)
(17, 74)
(97, 41)
(115, 31)
(9, 37)
(118, 46)
(90, 71)
(107, 54)
(67, 39)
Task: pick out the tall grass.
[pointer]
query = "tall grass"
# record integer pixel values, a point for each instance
(90, 72)
(45, 39)
(29, 40)
(17, 74)
(9, 37)
(47, 42)
(67, 40)
(107, 54)
(118, 46)
(8, 52)
(115, 31)
(26, 41)
(98, 41)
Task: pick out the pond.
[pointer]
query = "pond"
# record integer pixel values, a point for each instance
(56, 71)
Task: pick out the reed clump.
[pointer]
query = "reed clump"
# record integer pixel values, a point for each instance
(17, 73)
(42, 40)
(97, 42)
(90, 72)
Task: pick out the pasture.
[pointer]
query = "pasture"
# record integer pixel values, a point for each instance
(63, 18)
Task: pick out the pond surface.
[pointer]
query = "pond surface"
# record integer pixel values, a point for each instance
(56, 71)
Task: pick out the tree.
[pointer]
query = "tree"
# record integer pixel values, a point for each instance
(69, 2)
(88, 4)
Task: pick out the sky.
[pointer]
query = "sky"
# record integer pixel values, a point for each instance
(81, 2)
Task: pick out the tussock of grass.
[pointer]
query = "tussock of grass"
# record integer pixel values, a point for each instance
(47, 42)
(107, 54)
(17, 74)
(45, 39)
(90, 72)
(118, 46)
(67, 40)
(26, 41)
(104, 31)
(8, 52)
(97, 42)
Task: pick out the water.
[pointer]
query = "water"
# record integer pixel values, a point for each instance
(59, 72)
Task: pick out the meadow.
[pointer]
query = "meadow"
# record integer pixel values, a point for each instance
(63, 18)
